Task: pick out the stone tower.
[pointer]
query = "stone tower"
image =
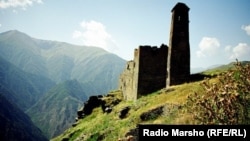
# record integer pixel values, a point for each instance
(155, 68)
(178, 62)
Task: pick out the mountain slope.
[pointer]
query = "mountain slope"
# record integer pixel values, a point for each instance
(25, 89)
(61, 61)
(221, 68)
(55, 111)
(165, 106)
(15, 125)
(20, 50)
(29, 67)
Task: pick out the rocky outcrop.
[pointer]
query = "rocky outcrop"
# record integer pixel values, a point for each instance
(109, 101)
(123, 113)
(89, 105)
(106, 102)
(152, 114)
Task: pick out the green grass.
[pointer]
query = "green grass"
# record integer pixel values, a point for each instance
(111, 127)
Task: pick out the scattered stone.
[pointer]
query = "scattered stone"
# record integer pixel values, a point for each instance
(123, 113)
(74, 124)
(152, 114)
(109, 101)
(105, 102)
(132, 135)
(108, 110)
(93, 102)
(89, 105)
(65, 139)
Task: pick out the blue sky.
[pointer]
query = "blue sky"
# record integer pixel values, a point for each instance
(219, 29)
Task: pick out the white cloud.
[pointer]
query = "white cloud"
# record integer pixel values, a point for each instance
(0, 25)
(246, 28)
(228, 48)
(208, 46)
(94, 33)
(241, 51)
(77, 34)
(18, 3)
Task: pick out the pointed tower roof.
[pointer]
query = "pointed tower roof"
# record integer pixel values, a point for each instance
(180, 6)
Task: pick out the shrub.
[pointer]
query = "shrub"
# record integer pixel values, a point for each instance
(224, 102)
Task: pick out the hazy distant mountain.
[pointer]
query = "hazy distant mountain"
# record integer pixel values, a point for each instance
(61, 61)
(30, 67)
(56, 110)
(220, 68)
(201, 69)
(214, 66)
(24, 89)
(197, 70)
(15, 125)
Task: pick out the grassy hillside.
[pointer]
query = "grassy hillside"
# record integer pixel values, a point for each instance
(166, 106)
(223, 68)
(111, 127)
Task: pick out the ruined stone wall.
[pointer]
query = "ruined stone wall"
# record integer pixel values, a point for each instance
(129, 78)
(146, 73)
(152, 69)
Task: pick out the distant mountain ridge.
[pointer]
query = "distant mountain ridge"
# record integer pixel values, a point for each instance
(61, 61)
(25, 89)
(49, 80)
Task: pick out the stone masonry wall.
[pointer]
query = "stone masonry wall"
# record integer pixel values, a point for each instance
(129, 78)
(146, 73)
(179, 54)
(152, 69)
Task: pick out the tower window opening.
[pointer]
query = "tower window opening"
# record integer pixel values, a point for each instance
(179, 18)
